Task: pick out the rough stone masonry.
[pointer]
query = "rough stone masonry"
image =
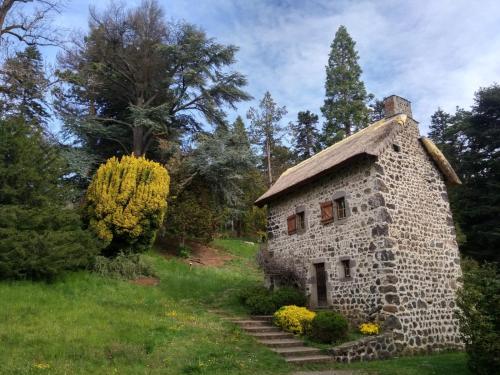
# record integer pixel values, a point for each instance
(393, 258)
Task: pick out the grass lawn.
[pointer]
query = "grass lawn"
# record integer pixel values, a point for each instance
(86, 324)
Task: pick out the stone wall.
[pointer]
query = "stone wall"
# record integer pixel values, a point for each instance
(398, 233)
(420, 260)
(366, 349)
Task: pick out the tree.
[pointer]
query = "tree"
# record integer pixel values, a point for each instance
(30, 28)
(478, 301)
(439, 128)
(471, 140)
(345, 106)
(305, 135)
(23, 87)
(265, 129)
(40, 236)
(126, 202)
(136, 80)
(377, 110)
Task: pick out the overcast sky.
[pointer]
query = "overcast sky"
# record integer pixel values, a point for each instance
(434, 53)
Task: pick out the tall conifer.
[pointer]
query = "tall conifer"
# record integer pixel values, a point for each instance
(345, 107)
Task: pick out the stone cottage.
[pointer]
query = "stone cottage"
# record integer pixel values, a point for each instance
(366, 225)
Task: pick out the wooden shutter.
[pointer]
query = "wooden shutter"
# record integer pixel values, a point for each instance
(327, 212)
(292, 224)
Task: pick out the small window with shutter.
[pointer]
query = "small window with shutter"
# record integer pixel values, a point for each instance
(326, 212)
(292, 224)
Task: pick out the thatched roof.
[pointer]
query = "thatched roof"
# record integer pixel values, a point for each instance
(441, 162)
(370, 141)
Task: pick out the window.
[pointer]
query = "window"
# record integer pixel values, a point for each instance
(346, 266)
(340, 207)
(301, 220)
(326, 212)
(292, 224)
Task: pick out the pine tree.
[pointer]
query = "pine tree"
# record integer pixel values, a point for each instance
(345, 106)
(305, 135)
(265, 129)
(39, 236)
(23, 87)
(440, 122)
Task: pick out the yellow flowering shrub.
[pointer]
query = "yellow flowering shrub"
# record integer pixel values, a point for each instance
(369, 328)
(126, 202)
(294, 319)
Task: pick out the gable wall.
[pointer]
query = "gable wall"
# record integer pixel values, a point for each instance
(419, 277)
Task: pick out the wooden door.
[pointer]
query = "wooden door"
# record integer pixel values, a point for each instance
(321, 283)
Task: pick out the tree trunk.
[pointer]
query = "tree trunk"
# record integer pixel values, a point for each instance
(138, 146)
(268, 156)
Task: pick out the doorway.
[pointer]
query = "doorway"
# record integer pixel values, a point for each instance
(321, 284)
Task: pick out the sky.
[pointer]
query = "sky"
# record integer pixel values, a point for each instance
(435, 53)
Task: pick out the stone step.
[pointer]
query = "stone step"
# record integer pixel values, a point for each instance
(297, 351)
(248, 323)
(261, 329)
(262, 317)
(300, 360)
(271, 335)
(281, 343)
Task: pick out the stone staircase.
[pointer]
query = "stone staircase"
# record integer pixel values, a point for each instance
(283, 343)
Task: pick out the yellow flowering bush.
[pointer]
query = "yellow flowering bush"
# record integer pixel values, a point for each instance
(369, 328)
(294, 319)
(126, 202)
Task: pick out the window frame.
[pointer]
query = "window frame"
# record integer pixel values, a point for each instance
(341, 208)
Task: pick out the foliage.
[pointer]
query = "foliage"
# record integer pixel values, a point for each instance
(192, 214)
(288, 296)
(123, 266)
(294, 319)
(266, 131)
(184, 251)
(39, 238)
(126, 203)
(31, 167)
(328, 327)
(369, 328)
(42, 243)
(471, 142)
(479, 303)
(345, 107)
(23, 87)
(305, 135)
(260, 300)
(138, 83)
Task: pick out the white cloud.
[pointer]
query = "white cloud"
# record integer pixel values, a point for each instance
(435, 53)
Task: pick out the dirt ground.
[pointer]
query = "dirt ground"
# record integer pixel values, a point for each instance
(201, 255)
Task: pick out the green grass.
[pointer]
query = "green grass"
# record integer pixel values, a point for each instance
(87, 324)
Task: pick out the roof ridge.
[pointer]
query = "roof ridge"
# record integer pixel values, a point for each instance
(401, 117)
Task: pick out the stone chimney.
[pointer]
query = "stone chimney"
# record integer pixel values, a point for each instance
(395, 105)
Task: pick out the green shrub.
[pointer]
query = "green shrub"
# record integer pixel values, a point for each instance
(257, 300)
(288, 296)
(260, 300)
(479, 318)
(184, 251)
(328, 327)
(41, 243)
(294, 319)
(123, 266)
